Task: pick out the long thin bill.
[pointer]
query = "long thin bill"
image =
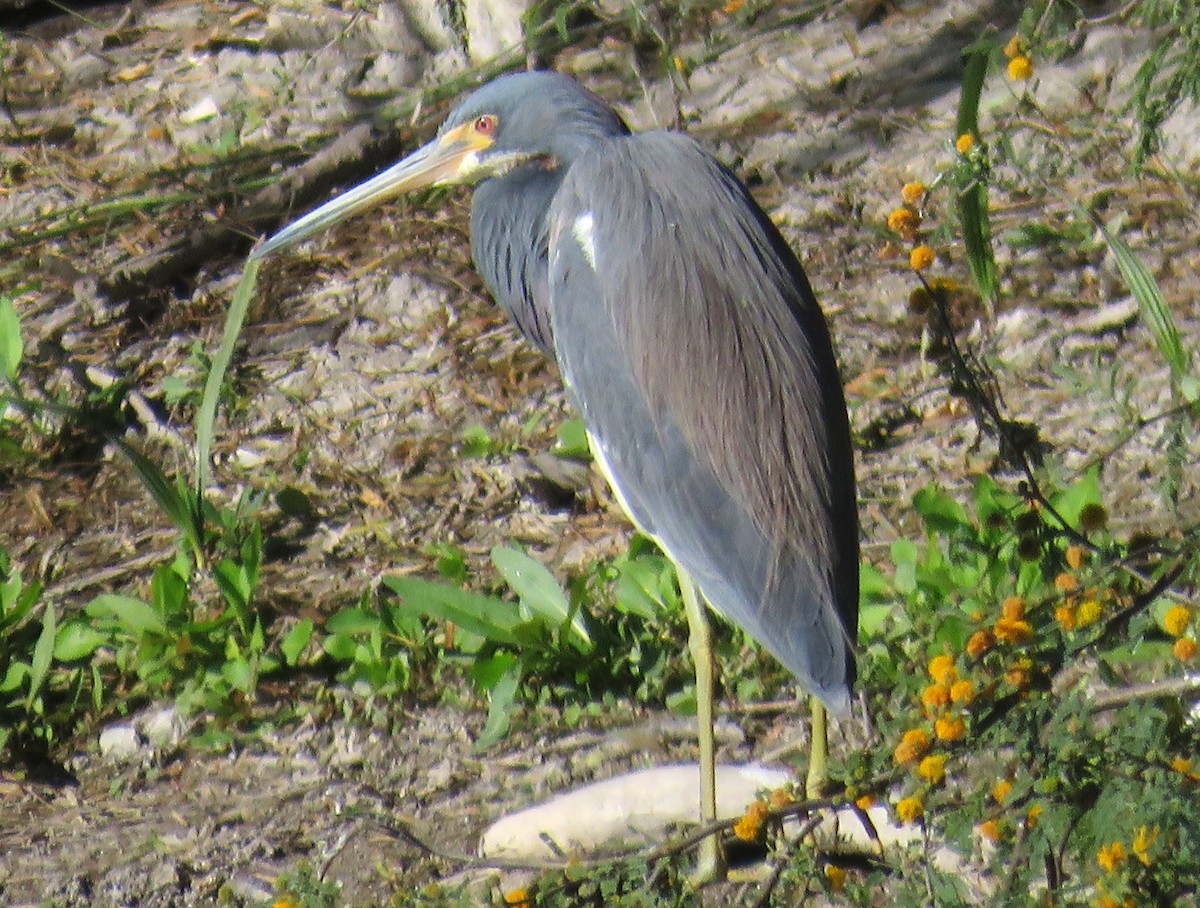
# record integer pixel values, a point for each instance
(436, 162)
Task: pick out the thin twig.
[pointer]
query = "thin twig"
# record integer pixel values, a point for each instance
(1151, 690)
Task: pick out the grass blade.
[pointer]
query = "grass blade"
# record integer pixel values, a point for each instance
(206, 416)
(11, 348)
(972, 183)
(1150, 302)
(180, 508)
(43, 654)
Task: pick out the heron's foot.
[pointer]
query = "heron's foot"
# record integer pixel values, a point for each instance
(710, 867)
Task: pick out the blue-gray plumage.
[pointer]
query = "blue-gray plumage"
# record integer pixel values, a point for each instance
(690, 341)
(704, 373)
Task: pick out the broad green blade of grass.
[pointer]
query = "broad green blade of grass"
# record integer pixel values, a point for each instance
(1150, 302)
(43, 653)
(11, 348)
(972, 186)
(206, 416)
(183, 512)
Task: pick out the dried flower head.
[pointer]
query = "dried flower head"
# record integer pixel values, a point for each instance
(979, 643)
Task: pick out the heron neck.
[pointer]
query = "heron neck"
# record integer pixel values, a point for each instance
(510, 246)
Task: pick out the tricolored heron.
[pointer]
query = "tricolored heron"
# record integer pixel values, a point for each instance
(691, 343)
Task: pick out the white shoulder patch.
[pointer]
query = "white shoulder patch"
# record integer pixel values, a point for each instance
(583, 232)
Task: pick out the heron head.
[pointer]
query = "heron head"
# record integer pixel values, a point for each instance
(542, 119)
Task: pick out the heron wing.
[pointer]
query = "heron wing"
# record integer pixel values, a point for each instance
(694, 349)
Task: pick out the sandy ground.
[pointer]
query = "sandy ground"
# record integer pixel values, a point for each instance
(368, 356)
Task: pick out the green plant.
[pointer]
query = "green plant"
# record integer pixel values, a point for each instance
(304, 888)
(550, 643)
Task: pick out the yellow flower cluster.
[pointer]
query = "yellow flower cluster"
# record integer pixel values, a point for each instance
(750, 827)
(950, 728)
(1080, 608)
(979, 643)
(909, 810)
(1020, 67)
(1176, 622)
(906, 221)
(964, 143)
(1143, 841)
(932, 768)
(913, 745)
(922, 257)
(1111, 856)
(1001, 790)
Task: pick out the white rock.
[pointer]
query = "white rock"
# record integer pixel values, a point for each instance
(120, 742)
(640, 805)
(162, 728)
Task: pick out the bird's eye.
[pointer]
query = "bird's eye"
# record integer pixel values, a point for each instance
(485, 125)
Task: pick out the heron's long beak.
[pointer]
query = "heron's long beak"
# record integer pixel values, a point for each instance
(447, 159)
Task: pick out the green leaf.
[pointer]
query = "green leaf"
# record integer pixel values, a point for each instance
(872, 584)
(871, 619)
(134, 615)
(487, 671)
(77, 640)
(540, 592)
(340, 647)
(573, 441)
(43, 653)
(940, 511)
(904, 557)
(168, 593)
(352, 621)
(637, 588)
(484, 616)
(14, 678)
(476, 442)
(239, 674)
(501, 705)
(296, 640)
(206, 415)
(11, 346)
(1084, 491)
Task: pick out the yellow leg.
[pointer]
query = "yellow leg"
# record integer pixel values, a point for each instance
(818, 770)
(711, 866)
